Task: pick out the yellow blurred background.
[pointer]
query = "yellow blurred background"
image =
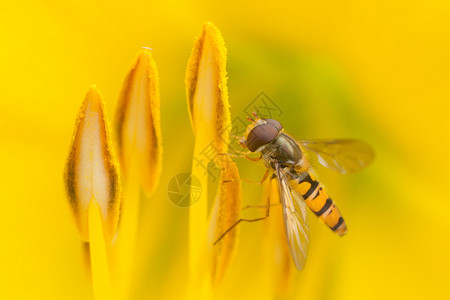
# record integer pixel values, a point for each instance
(374, 70)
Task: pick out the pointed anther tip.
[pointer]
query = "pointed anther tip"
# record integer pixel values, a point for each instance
(209, 28)
(144, 56)
(208, 24)
(145, 52)
(93, 89)
(94, 97)
(93, 92)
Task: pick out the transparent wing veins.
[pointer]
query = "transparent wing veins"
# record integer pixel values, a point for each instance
(295, 216)
(341, 155)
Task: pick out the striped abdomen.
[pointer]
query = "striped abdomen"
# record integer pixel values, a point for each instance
(319, 202)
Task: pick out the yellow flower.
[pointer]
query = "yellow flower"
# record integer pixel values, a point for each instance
(207, 95)
(336, 69)
(93, 187)
(140, 151)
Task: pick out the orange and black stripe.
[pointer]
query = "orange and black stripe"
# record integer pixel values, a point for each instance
(319, 202)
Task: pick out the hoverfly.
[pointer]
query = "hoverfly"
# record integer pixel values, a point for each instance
(285, 159)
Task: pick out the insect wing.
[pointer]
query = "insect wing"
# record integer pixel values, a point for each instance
(341, 155)
(295, 220)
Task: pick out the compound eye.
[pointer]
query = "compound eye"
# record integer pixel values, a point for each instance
(274, 123)
(261, 135)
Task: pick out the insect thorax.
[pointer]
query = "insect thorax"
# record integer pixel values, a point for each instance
(283, 151)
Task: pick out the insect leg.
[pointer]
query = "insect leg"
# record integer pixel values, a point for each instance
(259, 206)
(268, 204)
(266, 174)
(241, 152)
(246, 220)
(237, 137)
(302, 166)
(243, 155)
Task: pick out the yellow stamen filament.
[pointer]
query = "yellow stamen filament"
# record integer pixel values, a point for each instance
(207, 95)
(99, 259)
(92, 183)
(127, 235)
(140, 149)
